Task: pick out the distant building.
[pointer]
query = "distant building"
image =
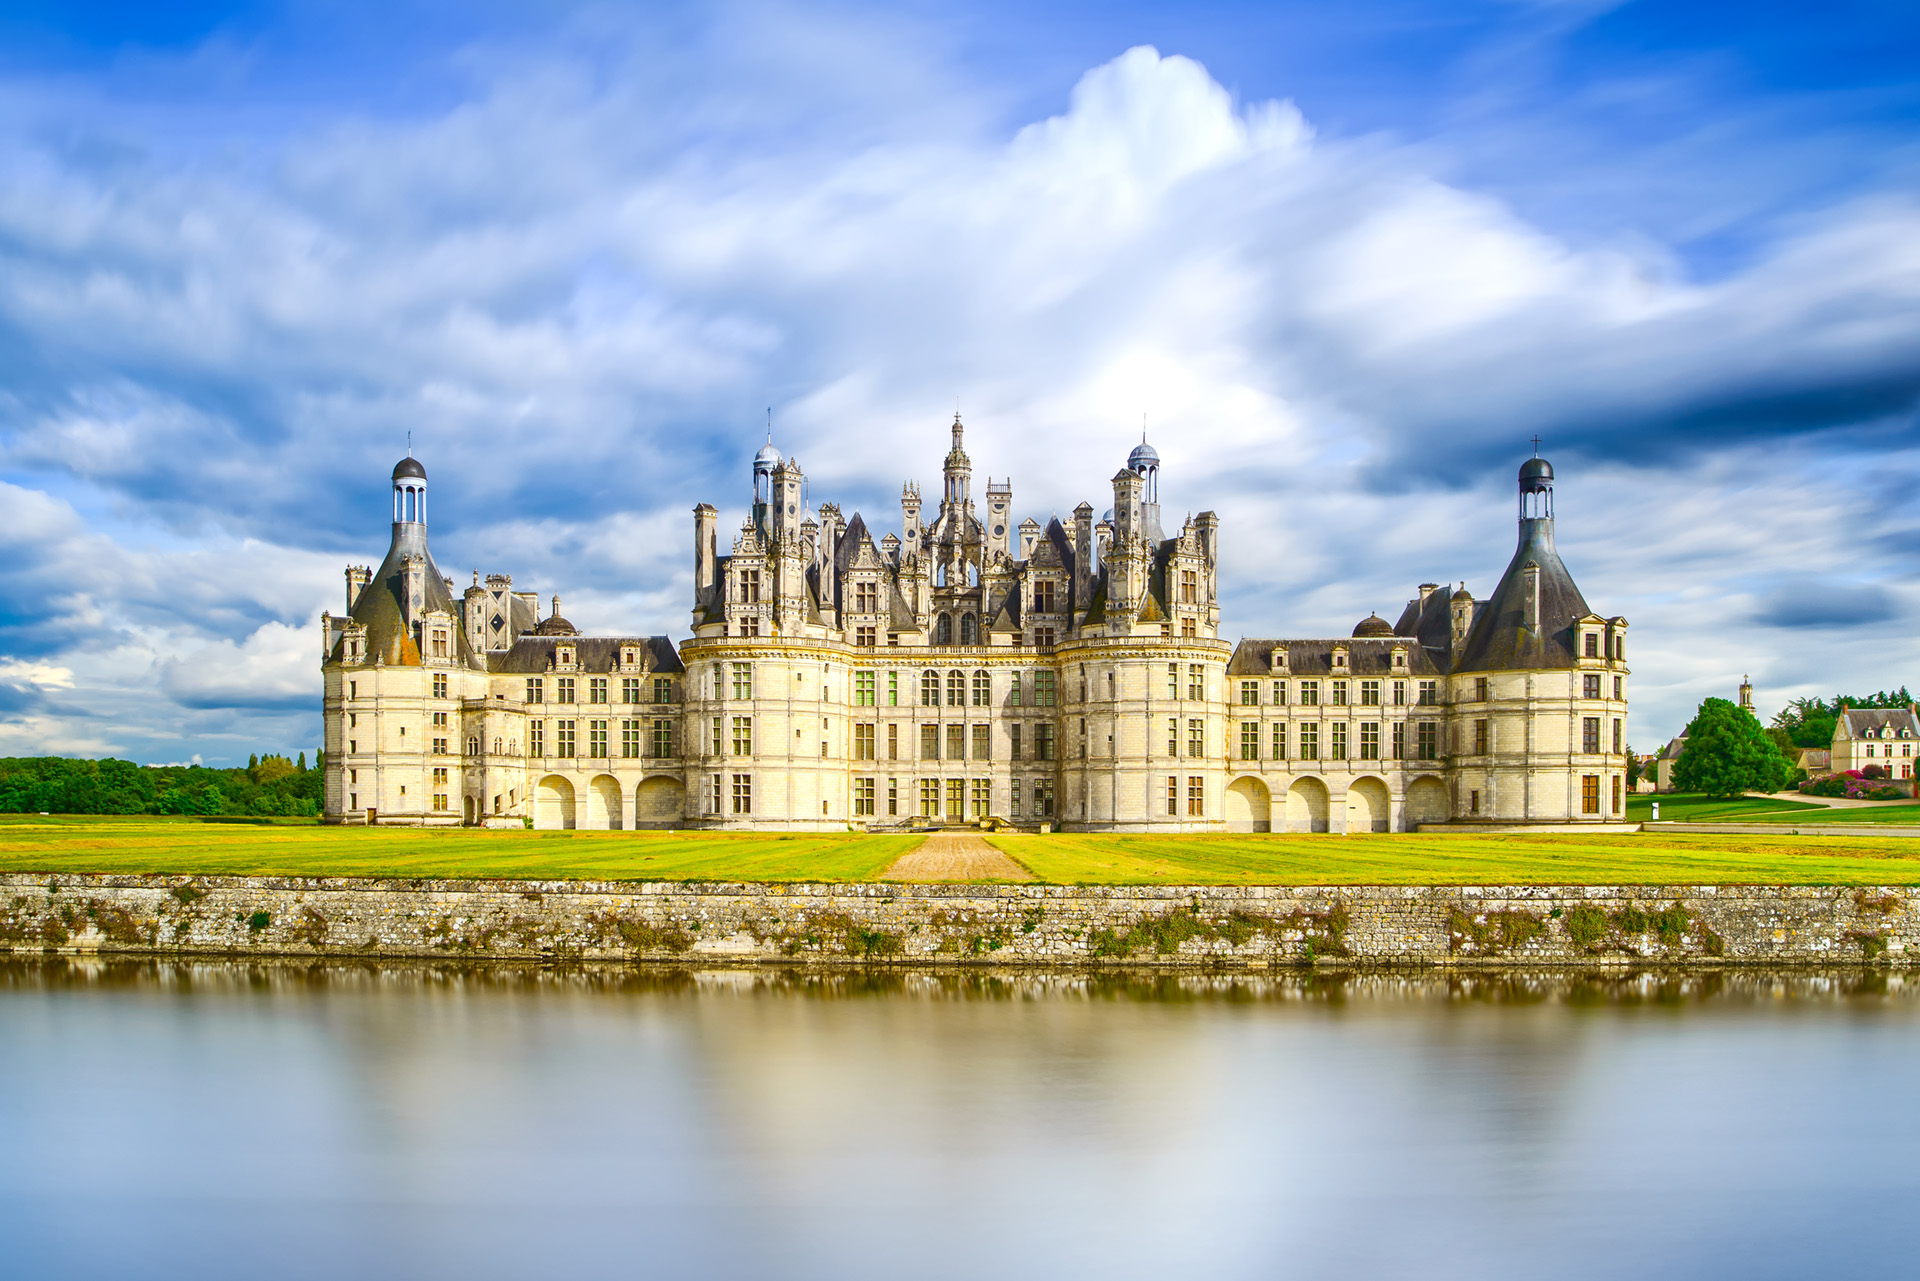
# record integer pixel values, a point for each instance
(1875, 736)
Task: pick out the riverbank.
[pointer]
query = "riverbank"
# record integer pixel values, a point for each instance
(840, 924)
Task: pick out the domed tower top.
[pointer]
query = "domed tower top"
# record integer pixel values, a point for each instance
(409, 491)
(1373, 626)
(1145, 461)
(765, 463)
(1536, 487)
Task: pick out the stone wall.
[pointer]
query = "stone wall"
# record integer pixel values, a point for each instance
(1257, 926)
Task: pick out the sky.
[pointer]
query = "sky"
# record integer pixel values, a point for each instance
(1342, 261)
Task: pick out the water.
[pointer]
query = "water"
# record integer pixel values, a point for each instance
(213, 1121)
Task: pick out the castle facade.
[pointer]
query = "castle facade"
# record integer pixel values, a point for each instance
(968, 668)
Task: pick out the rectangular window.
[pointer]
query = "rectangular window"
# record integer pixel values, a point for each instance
(1279, 740)
(863, 798)
(1399, 693)
(662, 739)
(893, 689)
(596, 738)
(863, 689)
(1045, 689)
(439, 644)
(1590, 794)
(1590, 733)
(1618, 731)
(956, 689)
(1249, 741)
(440, 777)
(1309, 693)
(1196, 796)
(1189, 587)
(956, 798)
(1173, 680)
(866, 598)
(929, 742)
(1480, 738)
(1369, 740)
(930, 798)
(1196, 738)
(893, 742)
(1013, 689)
(1426, 740)
(1480, 689)
(439, 685)
(929, 688)
(1337, 740)
(662, 689)
(1279, 693)
(743, 680)
(1339, 693)
(1043, 742)
(1473, 802)
(1013, 742)
(956, 742)
(1589, 687)
(563, 738)
(982, 790)
(866, 637)
(440, 801)
(893, 797)
(743, 793)
(1429, 693)
(750, 625)
(1310, 742)
(1617, 687)
(1399, 740)
(1593, 645)
(863, 743)
(537, 738)
(719, 747)
(440, 719)
(565, 684)
(1043, 596)
(982, 689)
(1173, 795)
(1249, 693)
(1369, 693)
(630, 739)
(1173, 736)
(1043, 798)
(630, 689)
(749, 587)
(1196, 681)
(1616, 793)
(597, 689)
(982, 742)
(1013, 801)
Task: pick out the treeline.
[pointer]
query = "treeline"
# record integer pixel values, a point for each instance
(1808, 722)
(270, 785)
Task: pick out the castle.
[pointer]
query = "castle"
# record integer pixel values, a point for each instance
(967, 668)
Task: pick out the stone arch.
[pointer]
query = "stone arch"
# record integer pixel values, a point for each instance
(603, 803)
(469, 810)
(553, 804)
(1427, 802)
(1368, 805)
(1249, 806)
(943, 630)
(1307, 805)
(659, 802)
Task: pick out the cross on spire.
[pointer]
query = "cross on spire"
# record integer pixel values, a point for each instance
(1536, 446)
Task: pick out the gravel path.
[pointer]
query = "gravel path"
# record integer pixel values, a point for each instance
(955, 856)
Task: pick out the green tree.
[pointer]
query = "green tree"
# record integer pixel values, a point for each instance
(1728, 753)
(1634, 767)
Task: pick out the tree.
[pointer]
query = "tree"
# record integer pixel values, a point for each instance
(301, 763)
(1728, 753)
(1634, 767)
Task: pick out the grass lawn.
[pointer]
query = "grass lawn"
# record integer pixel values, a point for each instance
(1613, 858)
(1691, 808)
(33, 843)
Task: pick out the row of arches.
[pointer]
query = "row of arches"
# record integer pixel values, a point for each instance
(602, 805)
(1308, 806)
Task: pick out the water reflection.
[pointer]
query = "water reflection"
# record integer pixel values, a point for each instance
(181, 1119)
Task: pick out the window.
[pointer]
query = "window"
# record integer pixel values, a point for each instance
(1196, 738)
(1013, 689)
(440, 747)
(1369, 693)
(893, 689)
(439, 685)
(749, 587)
(743, 793)
(1309, 693)
(929, 742)
(719, 747)
(1196, 681)
(930, 688)
(1399, 740)
(1279, 693)
(956, 798)
(982, 742)
(662, 690)
(630, 689)
(863, 689)
(439, 644)
(563, 738)
(1043, 596)
(1189, 587)
(1045, 689)
(750, 625)
(1249, 693)
(1618, 685)
(1337, 741)
(743, 680)
(1173, 736)
(440, 720)
(537, 738)
(1249, 741)
(956, 742)
(1616, 793)
(969, 630)
(943, 630)
(1480, 685)
(662, 739)
(866, 600)
(440, 801)
(956, 689)
(893, 742)
(1173, 795)
(866, 637)
(1473, 802)
(1590, 794)
(1196, 796)
(1369, 740)
(713, 804)
(1013, 805)
(440, 777)
(1043, 798)
(1590, 733)
(565, 694)
(982, 790)
(596, 738)
(1339, 693)
(1399, 693)
(1043, 746)
(1310, 742)
(1426, 740)
(863, 798)
(1589, 687)
(863, 743)
(1429, 693)
(743, 736)
(1593, 645)
(982, 689)
(1173, 680)
(1043, 637)
(1013, 742)
(1618, 732)
(597, 689)
(1279, 741)
(930, 798)
(893, 797)
(1479, 738)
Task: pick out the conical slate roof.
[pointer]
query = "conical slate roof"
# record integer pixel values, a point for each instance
(1502, 638)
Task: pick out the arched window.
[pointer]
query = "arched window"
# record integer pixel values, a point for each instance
(973, 574)
(943, 630)
(940, 575)
(982, 689)
(930, 688)
(956, 689)
(969, 630)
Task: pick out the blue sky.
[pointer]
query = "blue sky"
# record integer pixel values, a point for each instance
(1344, 259)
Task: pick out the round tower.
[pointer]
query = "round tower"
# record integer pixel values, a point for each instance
(409, 492)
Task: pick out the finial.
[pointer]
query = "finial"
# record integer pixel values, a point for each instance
(1536, 446)
(409, 444)
(769, 424)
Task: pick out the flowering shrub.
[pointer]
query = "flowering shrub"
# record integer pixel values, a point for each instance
(1854, 785)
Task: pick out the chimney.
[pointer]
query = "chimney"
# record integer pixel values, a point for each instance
(706, 554)
(358, 576)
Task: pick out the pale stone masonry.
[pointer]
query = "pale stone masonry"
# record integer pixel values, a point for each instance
(969, 667)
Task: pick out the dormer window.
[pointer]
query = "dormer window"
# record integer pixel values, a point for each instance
(1339, 658)
(566, 657)
(1593, 645)
(626, 657)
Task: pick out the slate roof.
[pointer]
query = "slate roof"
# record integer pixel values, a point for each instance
(1500, 639)
(1876, 722)
(534, 654)
(1365, 657)
(379, 607)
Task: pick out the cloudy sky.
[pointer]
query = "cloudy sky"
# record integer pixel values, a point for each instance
(1344, 260)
